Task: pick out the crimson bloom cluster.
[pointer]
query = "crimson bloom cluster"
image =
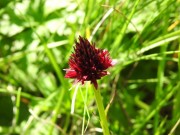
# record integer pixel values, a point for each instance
(88, 63)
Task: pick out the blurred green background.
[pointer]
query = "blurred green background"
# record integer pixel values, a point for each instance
(142, 93)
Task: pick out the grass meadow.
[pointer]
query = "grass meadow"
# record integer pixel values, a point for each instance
(141, 95)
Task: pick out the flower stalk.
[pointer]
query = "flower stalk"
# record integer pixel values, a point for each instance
(88, 63)
(101, 110)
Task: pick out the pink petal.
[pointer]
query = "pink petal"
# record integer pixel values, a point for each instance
(70, 73)
(113, 62)
(94, 82)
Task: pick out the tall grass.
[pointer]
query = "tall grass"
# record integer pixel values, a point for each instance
(141, 95)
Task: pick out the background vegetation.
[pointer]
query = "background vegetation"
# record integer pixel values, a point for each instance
(142, 93)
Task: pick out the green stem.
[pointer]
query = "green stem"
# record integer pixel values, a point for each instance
(101, 110)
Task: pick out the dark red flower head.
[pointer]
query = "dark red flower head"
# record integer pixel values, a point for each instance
(88, 63)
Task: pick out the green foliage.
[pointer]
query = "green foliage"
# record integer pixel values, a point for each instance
(141, 93)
